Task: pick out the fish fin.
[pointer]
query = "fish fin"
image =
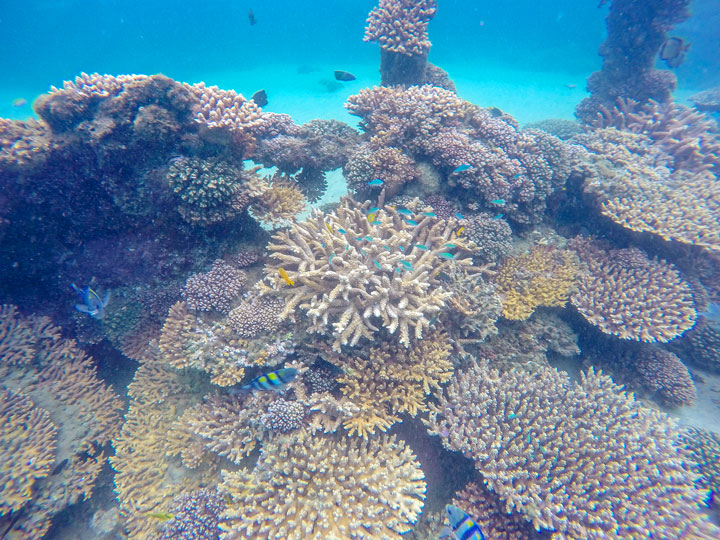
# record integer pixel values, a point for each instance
(106, 298)
(445, 532)
(75, 288)
(82, 308)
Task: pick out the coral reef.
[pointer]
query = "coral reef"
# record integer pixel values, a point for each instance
(350, 274)
(284, 416)
(545, 276)
(704, 346)
(216, 289)
(582, 459)
(625, 294)
(391, 380)
(636, 31)
(325, 487)
(559, 127)
(73, 412)
(388, 163)
(704, 447)
(663, 372)
(707, 100)
(256, 315)
(275, 201)
(195, 516)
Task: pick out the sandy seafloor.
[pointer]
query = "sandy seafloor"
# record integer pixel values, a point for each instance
(301, 91)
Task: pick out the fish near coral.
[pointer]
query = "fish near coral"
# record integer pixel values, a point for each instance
(462, 527)
(284, 275)
(275, 380)
(92, 304)
(673, 51)
(344, 76)
(260, 98)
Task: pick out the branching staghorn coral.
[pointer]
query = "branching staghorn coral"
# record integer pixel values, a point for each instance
(582, 459)
(60, 379)
(545, 276)
(393, 381)
(350, 274)
(625, 294)
(323, 487)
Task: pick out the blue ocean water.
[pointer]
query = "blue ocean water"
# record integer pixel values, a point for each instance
(100, 232)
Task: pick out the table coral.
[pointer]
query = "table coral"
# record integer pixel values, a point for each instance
(216, 289)
(582, 459)
(392, 381)
(29, 440)
(625, 294)
(545, 276)
(349, 273)
(326, 487)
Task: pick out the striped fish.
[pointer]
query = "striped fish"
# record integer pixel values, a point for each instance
(275, 380)
(462, 527)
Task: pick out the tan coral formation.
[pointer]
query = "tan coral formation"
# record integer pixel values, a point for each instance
(276, 201)
(545, 276)
(352, 276)
(625, 294)
(392, 381)
(29, 440)
(325, 487)
(401, 25)
(583, 459)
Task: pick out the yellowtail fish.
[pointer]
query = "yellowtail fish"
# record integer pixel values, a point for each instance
(275, 380)
(162, 516)
(284, 275)
(371, 217)
(375, 182)
(462, 527)
(92, 304)
(329, 228)
(459, 231)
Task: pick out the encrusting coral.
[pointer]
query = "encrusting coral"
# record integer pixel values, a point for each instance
(545, 276)
(581, 459)
(325, 487)
(215, 289)
(352, 272)
(392, 380)
(625, 294)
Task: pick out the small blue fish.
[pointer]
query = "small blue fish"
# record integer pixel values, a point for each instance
(517, 175)
(421, 246)
(387, 248)
(406, 264)
(341, 231)
(347, 246)
(358, 238)
(429, 214)
(331, 257)
(451, 246)
(459, 215)
(462, 526)
(375, 182)
(461, 168)
(92, 304)
(373, 210)
(446, 255)
(499, 216)
(323, 244)
(275, 380)
(411, 222)
(512, 416)
(405, 212)
(376, 222)
(363, 253)
(498, 202)
(402, 248)
(368, 238)
(377, 264)
(398, 271)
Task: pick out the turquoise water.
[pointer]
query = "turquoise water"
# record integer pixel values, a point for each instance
(163, 262)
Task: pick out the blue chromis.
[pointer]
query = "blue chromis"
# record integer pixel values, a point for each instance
(341, 231)
(462, 526)
(405, 212)
(373, 210)
(275, 380)
(421, 246)
(499, 202)
(446, 255)
(411, 222)
(377, 264)
(461, 168)
(451, 246)
(429, 214)
(499, 216)
(406, 264)
(375, 182)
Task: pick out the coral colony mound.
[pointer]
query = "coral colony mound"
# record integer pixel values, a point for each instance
(349, 374)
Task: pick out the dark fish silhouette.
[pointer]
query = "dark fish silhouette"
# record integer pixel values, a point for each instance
(673, 51)
(260, 98)
(252, 18)
(305, 69)
(344, 76)
(330, 86)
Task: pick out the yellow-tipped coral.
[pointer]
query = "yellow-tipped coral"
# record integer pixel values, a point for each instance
(323, 487)
(545, 276)
(392, 381)
(352, 275)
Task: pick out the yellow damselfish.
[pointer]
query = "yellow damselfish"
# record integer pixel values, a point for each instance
(459, 231)
(371, 217)
(329, 228)
(162, 516)
(284, 275)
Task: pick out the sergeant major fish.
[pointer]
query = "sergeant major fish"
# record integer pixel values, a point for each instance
(92, 304)
(275, 380)
(462, 527)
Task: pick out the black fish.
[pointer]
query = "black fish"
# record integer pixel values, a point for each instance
(252, 18)
(330, 86)
(344, 76)
(673, 51)
(260, 98)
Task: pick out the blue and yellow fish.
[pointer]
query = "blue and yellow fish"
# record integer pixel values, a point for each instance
(92, 304)
(275, 380)
(462, 526)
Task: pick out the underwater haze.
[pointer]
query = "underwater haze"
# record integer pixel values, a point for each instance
(360, 270)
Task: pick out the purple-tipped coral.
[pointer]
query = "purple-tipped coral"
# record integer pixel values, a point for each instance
(583, 459)
(663, 372)
(216, 289)
(284, 416)
(195, 516)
